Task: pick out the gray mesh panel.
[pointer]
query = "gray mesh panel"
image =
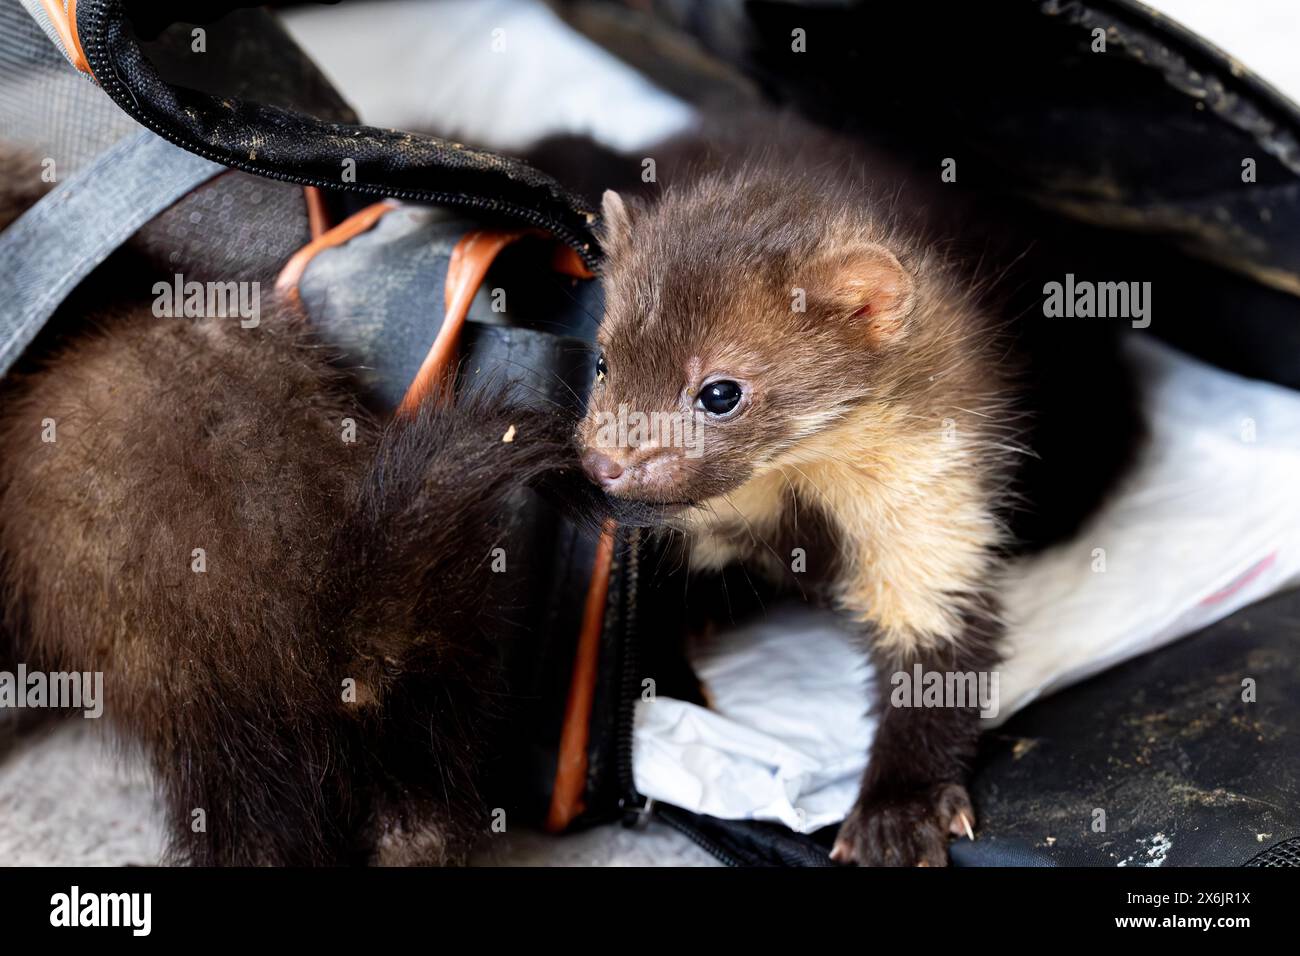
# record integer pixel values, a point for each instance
(47, 107)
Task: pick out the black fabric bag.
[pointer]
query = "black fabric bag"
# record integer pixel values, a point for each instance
(1137, 151)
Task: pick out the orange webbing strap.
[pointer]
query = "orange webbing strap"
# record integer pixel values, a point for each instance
(65, 25)
(354, 225)
(571, 762)
(470, 260)
(318, 220)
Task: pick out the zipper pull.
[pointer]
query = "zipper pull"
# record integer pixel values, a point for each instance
(636, 810)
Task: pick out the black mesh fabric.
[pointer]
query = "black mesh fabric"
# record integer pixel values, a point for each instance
(238, 227)
(297, 131)
(1286, 853)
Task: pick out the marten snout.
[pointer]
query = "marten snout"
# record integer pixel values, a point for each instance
(651, 474)
(600, 468)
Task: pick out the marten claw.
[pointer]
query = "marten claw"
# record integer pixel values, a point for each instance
(909, 829)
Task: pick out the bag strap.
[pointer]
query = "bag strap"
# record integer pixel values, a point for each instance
(471, 258)
(48, 250)
(569, 789)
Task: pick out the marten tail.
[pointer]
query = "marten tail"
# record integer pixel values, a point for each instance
(419, 588)
(412, 559)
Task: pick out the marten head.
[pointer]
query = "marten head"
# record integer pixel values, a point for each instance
(742, 316)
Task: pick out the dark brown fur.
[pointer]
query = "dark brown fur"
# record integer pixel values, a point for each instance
(326, 561)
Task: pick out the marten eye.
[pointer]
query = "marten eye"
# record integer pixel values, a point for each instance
(602, 370)
(720, 398)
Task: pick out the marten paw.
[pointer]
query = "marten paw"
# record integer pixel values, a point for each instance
(905, 829)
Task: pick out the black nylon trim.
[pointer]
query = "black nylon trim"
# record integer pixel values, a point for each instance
(280, 144)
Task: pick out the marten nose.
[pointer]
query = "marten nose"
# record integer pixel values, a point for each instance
(602, 469)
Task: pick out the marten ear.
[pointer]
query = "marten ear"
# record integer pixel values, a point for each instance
(615, 217)
(866, 285)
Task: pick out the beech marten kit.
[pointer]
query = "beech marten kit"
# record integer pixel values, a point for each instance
(858, 410)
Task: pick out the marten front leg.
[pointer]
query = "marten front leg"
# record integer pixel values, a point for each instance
(918, 575)
(913, 794)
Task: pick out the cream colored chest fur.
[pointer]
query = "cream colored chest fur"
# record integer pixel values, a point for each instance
(909, 508)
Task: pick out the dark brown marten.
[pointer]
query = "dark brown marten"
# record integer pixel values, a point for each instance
(850, 394)
(320, 679)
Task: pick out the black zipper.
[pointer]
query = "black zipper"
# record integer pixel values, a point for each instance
(679, 820)
(636, 807)
(580, 244)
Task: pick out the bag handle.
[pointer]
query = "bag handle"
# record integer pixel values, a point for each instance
(294, 147)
